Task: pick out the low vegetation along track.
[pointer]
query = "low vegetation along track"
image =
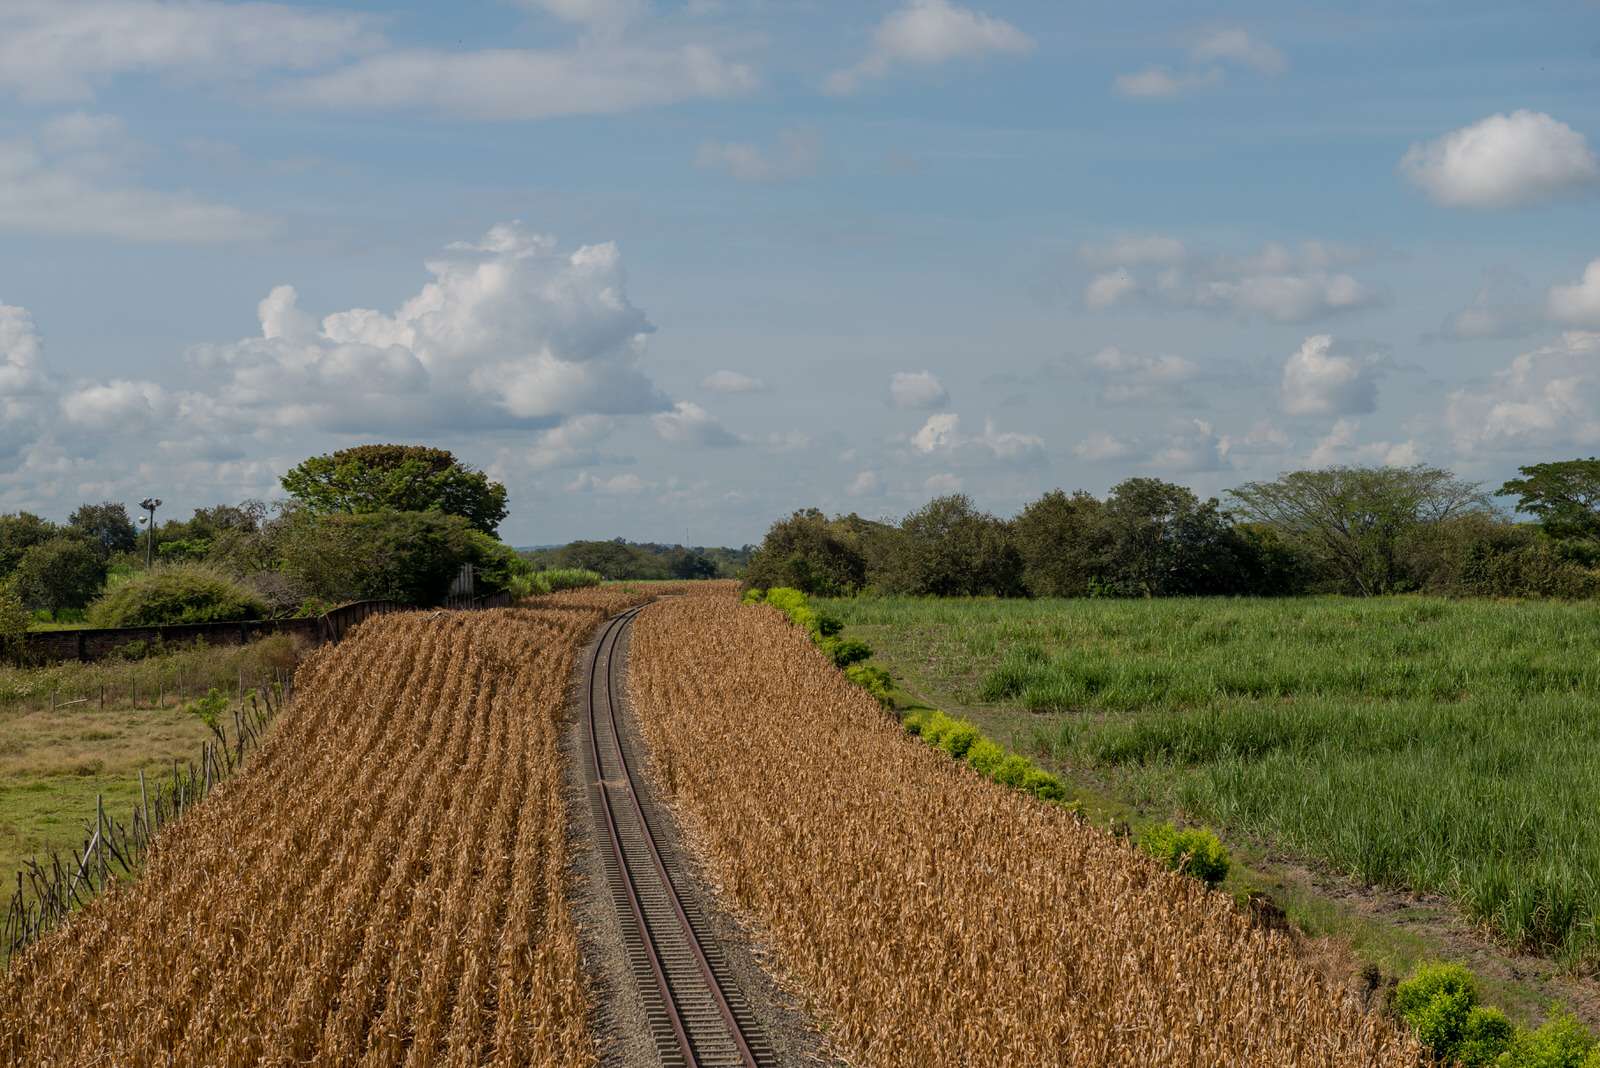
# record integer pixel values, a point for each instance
(697, 1015)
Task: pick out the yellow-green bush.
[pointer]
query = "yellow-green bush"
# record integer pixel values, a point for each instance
(1194, 852)
(1440, 1002)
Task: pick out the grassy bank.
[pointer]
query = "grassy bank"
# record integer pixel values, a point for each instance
(1441, 746)
(60, 746)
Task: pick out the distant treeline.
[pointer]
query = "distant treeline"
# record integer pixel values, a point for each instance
(1352, 530)
(621, 559)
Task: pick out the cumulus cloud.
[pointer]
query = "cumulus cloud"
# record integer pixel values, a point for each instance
(732, 382)
(1316, 382)
(51, 50)
(1141, 380)
(916, 389)
(598, 77)
(1233, 46)
(689, 424)
(941, 485)
(627, 485)
(1501, 308)
(1182, 445)
(1159, 81)
(1340, 447)
(866, 484)
(1504, 161)
(512, 332)
(574, 444)
(77, 177)
(926, 33)
(797, 153)
(1284, 284)
(941, 438)
(608, 14)
(1548, 399)
(1578, 303)
(1262, 439)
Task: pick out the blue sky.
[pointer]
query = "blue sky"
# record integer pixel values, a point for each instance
(673, 270)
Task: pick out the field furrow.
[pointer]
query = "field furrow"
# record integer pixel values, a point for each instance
(931, 917)
(383, 885)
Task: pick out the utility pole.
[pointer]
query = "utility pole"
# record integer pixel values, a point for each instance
(150, 504)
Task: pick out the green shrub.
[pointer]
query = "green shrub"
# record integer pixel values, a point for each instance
(959, 738)
(845, 652)
(874, 680)
(1043, 785)
(1562, 1042)
(569, 578)
(985, 756)
(829, 625)
(914, 721)
(753, 597)
(1440, 1002)
(1195, 852)
(935, 727)
(1432, 980)
(1013, 771)
(176, 593)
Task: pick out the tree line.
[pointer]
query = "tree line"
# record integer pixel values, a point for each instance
(372, 522)
(623, 559)
(1355, 530)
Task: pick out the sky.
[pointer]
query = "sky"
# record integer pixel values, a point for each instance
(671, 271)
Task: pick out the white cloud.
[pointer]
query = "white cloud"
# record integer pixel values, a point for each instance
(1189, 445)
(865, 484)
(1317, 383)
(1142, 380)
(595, 78)
(1233, 46)
(943, 484)
(56, 50)
(1578, 303)
(1107, 288)
(1281, 283)
(573, 444)
(628, 485)
(1160, 81)
(607, 14)
(1501, 308)
(1262, 439)
(798, 153)
(691, 425)
(1101, 446)
(941, 438)
(75, 178)
(1548, 399)
(512, 332)
(1504, 161)
(1339, 447)
(916, 389)
(926, 33)
(1239, 47)
(732, 382)
(1129, 251)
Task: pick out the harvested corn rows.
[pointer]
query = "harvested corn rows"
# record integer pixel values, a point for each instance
(383, 885)
(934, 918)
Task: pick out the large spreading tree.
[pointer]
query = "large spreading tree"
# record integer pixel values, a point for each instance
(397, 478)
(1564, 495)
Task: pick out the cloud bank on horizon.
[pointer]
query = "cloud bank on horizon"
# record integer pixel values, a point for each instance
(773, 258)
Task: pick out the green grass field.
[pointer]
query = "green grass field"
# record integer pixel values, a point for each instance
(55, 758)
(1447, 746)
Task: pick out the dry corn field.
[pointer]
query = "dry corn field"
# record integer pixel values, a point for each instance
(382, 885)
(930, 917)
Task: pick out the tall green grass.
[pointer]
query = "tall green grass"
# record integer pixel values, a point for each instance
(1442, 745)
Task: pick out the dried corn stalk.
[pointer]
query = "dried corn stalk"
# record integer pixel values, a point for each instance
(930, 917)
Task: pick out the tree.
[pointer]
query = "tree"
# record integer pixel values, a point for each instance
(177, 593)
(1565, 496)
(1351, 520)
(1160, 540)
(400, 478)
(106, 525)
(383, 555)
(608, 559)
(65, 572)
(18, 532)
(1059, 537)
(954, 550)
(807, 552)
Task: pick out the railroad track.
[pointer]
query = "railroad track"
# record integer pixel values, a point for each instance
(697, 1014)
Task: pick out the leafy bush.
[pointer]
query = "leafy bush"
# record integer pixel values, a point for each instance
(1195, 852)
(985, 756)
(1562, 1042)
(176, 593)
(874, 680)
(845, 651)
(959, 738)
(1440, 1002)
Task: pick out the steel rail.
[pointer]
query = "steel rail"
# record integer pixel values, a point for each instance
(605, 649)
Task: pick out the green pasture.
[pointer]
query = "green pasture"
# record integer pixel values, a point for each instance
(1447, 746)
